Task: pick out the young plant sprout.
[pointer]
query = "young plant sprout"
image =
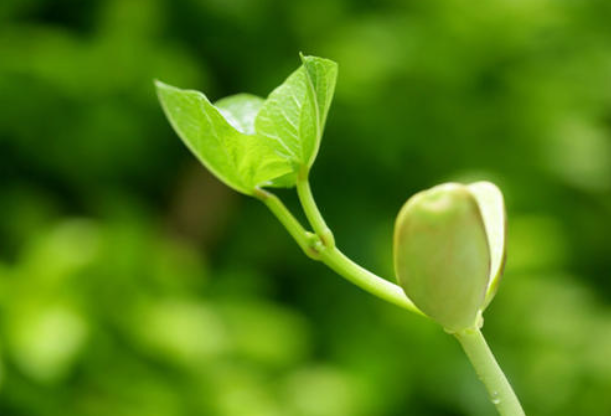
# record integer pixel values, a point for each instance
(449, 243)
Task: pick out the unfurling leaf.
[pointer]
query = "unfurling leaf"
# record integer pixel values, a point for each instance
(249, 142)
(242, 161)
(294, 115)
(240, 111)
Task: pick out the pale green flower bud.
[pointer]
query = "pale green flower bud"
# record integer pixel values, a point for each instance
(449, 251)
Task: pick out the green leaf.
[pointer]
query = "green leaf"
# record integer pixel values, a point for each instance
(293, 116)
(492, 207)
(243, 161)
(441, 255)
(323, 77)
(240, 111)
(248, 142)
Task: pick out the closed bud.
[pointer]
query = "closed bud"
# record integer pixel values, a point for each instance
(449, 251)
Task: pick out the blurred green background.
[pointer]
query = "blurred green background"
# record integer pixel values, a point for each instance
(132, 283)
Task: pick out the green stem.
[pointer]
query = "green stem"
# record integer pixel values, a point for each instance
(472, 340)
(313, 213)
(304, 239)
(321, 246)
(489, 372)
(312, 245)
(382, 288)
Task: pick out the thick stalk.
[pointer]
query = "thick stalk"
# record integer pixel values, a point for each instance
(489, 372)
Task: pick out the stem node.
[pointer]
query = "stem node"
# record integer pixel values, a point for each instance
(313, 213)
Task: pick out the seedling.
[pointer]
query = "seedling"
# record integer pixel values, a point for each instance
(449, 244)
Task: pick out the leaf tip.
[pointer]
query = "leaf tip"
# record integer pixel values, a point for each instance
(159, 84)
(161, 88)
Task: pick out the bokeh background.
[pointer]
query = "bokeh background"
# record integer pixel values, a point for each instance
(132, 283)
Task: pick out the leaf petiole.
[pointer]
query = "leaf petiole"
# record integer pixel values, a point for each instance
(313, 246)
(312, 212)
(305, 239)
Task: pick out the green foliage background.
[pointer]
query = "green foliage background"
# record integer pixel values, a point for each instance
(133, 283)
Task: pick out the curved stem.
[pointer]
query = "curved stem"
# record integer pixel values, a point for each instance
(313, 213)
(472, 340)
(313, 246)
(303, 238)
(321, 246)
(489, 372)
(363, 278)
